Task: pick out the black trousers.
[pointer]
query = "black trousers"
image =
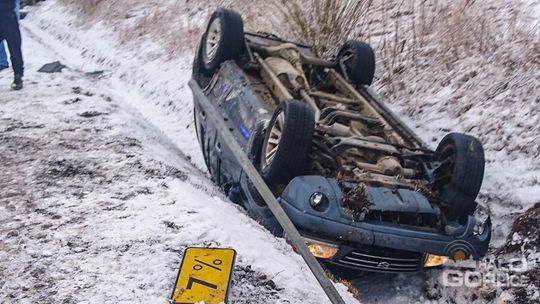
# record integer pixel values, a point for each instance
(9, 31)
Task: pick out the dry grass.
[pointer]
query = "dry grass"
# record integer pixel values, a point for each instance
(325, 24)
(176, 25)
(423, 34)
(477, 62)
(89, 7)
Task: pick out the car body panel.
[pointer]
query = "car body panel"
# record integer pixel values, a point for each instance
(244, 112)
(337, 226)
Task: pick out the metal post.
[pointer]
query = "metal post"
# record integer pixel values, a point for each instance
(289, 228)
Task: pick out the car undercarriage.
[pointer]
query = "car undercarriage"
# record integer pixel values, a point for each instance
(332, 152)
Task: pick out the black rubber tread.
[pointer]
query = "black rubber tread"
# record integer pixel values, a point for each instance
(361, 67)
(232, 38)
(291, 158)
(195, 121)
(199, 73)
(467, 174)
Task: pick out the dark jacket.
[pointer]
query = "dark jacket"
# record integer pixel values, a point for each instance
(7, 5)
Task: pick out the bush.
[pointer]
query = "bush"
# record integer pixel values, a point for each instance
(325, 24)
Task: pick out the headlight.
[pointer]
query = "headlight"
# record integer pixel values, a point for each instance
(435, 260)
(321, 250)
(317, 199)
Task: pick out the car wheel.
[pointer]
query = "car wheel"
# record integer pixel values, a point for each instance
(223, 39)
(199, 73)
(287, 142)
(460, 175)
(357, 62)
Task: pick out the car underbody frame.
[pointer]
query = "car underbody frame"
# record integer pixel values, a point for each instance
(373, 173)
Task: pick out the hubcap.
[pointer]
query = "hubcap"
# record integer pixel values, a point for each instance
(213, 37)
(274, 138)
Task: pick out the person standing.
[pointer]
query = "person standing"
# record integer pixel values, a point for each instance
(9, 31)
(3, 55)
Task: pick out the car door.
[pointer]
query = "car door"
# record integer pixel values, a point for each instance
(243, 112)
(222, 166)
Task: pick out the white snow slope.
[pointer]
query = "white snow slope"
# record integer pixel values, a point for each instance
(101, 183)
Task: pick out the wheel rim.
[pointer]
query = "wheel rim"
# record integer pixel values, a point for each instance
(274, 138)
(213, 37)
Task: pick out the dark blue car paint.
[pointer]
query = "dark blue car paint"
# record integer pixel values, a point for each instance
(341, 227)
(229, 92)
(401, 200)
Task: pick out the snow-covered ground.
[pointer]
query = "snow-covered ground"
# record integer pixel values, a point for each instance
(101, 191)
(114, 185)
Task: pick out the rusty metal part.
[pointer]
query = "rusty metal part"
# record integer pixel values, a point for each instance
(388, 166)
(385, 165)
(392, 182)
(343, 143)
(307, 56)
(326, 165)
(272, 81)
(342, 85)
(282, 49)
(317, 61)
(287, 73)
(324, 154)
(375, 139)
(331, 117)
(335, 98)
(312, 103)
(285, 62)
(290, 53)
(357, 124)
(337, 129)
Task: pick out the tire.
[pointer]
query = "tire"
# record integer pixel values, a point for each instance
(291, 149)
(198, 70)
(359, 64)
(460, 175)
(223, 39)
(199, 73)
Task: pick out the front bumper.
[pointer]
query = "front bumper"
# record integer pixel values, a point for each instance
(331, 223)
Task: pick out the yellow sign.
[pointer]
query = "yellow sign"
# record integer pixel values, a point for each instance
(205, 275)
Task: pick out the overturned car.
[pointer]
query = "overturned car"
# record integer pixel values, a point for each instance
(364, 191)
